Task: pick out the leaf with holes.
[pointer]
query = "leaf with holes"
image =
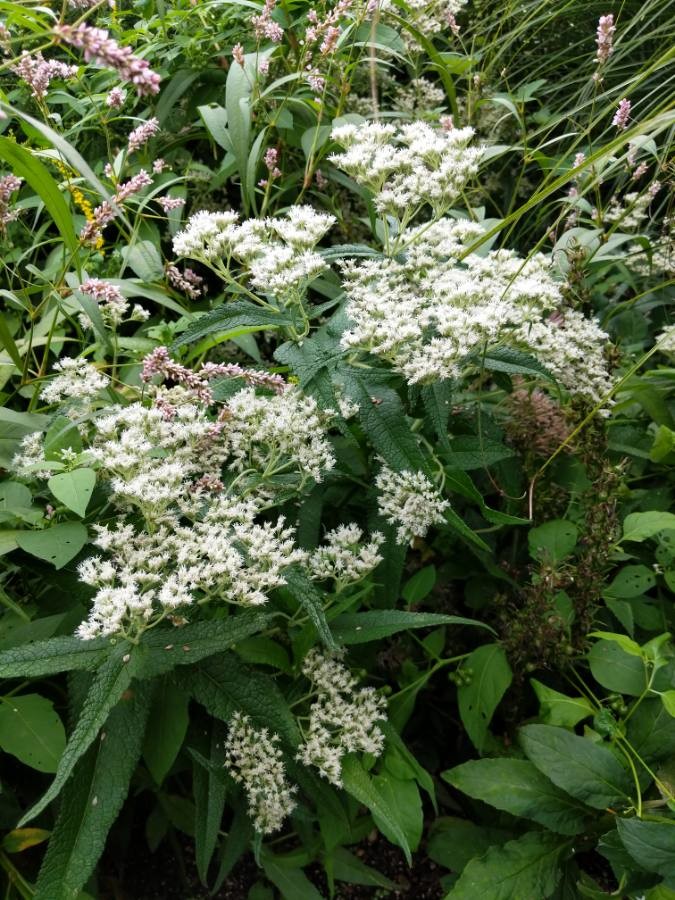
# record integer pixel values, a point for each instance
(57, 545)
(479, 699)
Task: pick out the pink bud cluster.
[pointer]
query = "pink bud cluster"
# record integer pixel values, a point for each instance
(116, 98)
(605, 38)
(37, 72)
(265, 26)
(98, 47)
(8, 185)
(187, 281)
(160, 363)
(622, 115)
(106, 212)
(141, 135)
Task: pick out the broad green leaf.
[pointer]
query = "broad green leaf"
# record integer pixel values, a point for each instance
(264, 651)
(375, 624)
(209, 794)
(419, 585)
(62, 434)
(403, 798)
(292, 883)
(223, 684)
(553, 541)
(74, 489)
(628, 645)
(361, 786)
(517, 787)
(14, 426)
(454, 842)
(559, 709)
(631, 581)
(397, 748)
(514, 362)
(215, 119)
(640, 526)
(166, 728)
(92, 799)
(458, 524)
(478, 700)
(240, 80)
(524, 869)
(668, 700)
(617, 670)
(383, 418)
(468, 452)
(57, 545)
(31, 730)
(349, 868)
(144, 259)
(651, 731)
(590, 772)
(111, 681)
(58, 654)
(236, 317)
(38, 176)
(651, 844)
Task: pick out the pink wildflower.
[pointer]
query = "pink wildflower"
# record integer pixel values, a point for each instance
(141, 135)
(605, 38)
(622, 115)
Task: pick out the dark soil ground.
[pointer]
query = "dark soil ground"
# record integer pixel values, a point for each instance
(163, 876)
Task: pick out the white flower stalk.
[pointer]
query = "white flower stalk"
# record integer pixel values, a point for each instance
(276, 255)
(254, 761)
(428, 16)
(343, 718)
(410, 501)
(79, 381)
(428, 313)
(410, 167)
(344, 558)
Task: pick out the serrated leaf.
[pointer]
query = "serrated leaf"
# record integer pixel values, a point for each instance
(31, 730)
(110, 682)
(590, 772)
(74, 489)
(166, 729)
(56, 545)
(514, 362)
(650, 844)
(58, 654)
(375, 624)
(92, 800)
(308, 596)
(517, 787)
(236, 317)
(479, 699)
(528, 867)
(359, 784)
(224, 684)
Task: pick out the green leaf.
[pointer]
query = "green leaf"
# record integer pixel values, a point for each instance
(14, 426)
(375, 624)
(469, 451)
(526, 868)
(349, 868)
(31, 730)
(111, 681)
(360, 785)
(419, 585)
(590, 772)
(651, 731)
(651, 844)
(403, 798)
(559, 709)
(383, 418)
(454, 842)
(215, 119)
(668, 700)
(640, 526)
(628, 645)
(478, 700)
(631, 581)
(234, 318)
(59, 654)
(26, 166)
(166, 729)
(514, 362)
(223, 685)
(304, 592)
(92, 800)
(517, 787)
(57, 545)
(62, 434)
(617, 670)
(553, 541)
(143, 258)
(240, 80)
(459, 525)
(209, 794)
(74, 489)
(292, 882)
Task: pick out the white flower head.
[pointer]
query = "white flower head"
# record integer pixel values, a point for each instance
(410, 501)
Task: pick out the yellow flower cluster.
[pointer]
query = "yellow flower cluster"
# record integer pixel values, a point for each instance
(79, 199)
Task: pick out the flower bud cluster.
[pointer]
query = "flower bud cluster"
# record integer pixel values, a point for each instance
(408, 499)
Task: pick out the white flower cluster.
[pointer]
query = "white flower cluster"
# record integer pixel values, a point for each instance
(408, 499)
(277, 253)
(410, 167)
(666, 340)
(254, 761)
(343, 718)
(428, 312)
(344, 558)
(418, 96)
(428, 16)
(78, 381)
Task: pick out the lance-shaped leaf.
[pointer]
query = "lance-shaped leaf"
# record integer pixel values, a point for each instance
(374, 624)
